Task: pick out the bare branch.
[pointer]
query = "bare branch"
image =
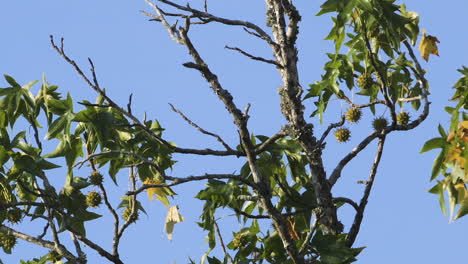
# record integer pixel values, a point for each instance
(135, 120)
(220, 237)
(201, 129)
(205, 15)
(346, 200)
(44, 231)
(336, 174)
(255, 57)
(170, 29)
(354, 230)
(96, 247)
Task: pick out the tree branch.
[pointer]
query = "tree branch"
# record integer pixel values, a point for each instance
(190, 122)
(255, 57)
(220, 237)
(346, 200)
(329, 128)
(41, 242)
(354, 230)
(205, 15)
(336, 174)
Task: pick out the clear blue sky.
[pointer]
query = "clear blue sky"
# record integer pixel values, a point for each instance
(403, 223)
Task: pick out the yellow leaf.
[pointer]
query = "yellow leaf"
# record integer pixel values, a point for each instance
(160, 192)
(454, 155)
(173, 217)
(428, 46)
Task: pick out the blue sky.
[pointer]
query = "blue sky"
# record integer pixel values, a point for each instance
(403, 222)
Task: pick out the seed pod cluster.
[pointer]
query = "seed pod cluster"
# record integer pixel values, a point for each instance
(365, 81)
(353, 115)
(7, 241)
(96, 178)
(14, 215)
(342, 135)
(379, 123)
(127, 215)
(93, 199)
(403, 118)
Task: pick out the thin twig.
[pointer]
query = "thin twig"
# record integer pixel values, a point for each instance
(255, 57)
(313, 227)
(190, 122)
(329, 128)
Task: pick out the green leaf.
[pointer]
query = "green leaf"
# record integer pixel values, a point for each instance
(437, 166)
(442, 131)
(433, 144)
(11, 81)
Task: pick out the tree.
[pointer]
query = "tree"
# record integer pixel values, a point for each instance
(283, 179)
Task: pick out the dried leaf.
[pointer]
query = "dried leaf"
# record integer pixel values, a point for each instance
(291, 230)
(173, 217)
(428, 46)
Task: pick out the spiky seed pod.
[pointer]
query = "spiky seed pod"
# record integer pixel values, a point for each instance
(403, 118)
(127, 213)
(379, 123)
(365, 81)
(96, 178)
(53, 256)
(353, 115)
(342, 134)
(7, 241)
(14, 215)
(93, 199)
